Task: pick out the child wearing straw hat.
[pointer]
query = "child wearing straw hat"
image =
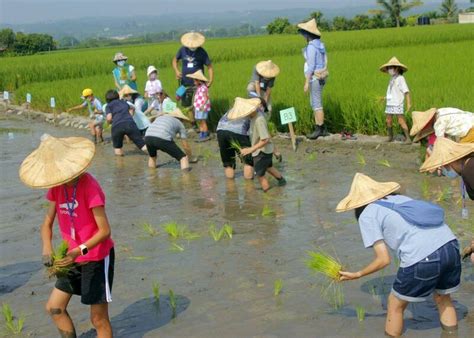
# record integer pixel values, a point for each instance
(201, 103)
(96, 114)
(262, 147)
(78, 201)
(160, 136)
(397, 92)
(262, 81)
(122, 122)
(193, 58)
(124, 74)
(427, 249)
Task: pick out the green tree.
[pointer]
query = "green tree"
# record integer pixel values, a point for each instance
(7, 38)
(323, 24)
(449, 9)
(278, 26)
(341, 23)
(395, 8)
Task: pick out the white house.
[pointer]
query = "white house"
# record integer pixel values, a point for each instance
(466, 17)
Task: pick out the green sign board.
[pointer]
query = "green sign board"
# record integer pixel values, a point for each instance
(169, 106)
(288, 115)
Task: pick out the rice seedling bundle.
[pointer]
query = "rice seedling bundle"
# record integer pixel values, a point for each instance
(324, 264)
(58, 253)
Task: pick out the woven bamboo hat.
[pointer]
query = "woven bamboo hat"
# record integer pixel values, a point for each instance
(199, 75)
(446, 151)
(393, 63)
(243, 108)
(119, 57)
(56, 161)
(421, 119)
(310, 26)
(127, 90)
(192, 40)
(267, 69)
(365, 190)
(178, 114)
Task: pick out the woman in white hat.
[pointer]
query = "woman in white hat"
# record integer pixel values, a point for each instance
(193, 58)
(427, 249)
(397, 92)
(124, 74)
(77, 200)
(315, 71)
(161, 134)
(262, 81)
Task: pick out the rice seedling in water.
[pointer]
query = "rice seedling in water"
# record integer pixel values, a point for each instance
(176, 248)
(173, 304)
(14, 327)
(444, 194)
(277, 287)
(149, 229)
(177, 231)
(58, 253)
(425, 189)
(156, 291)
(228, 230)
(361, 158)
(333, 294)
(267, 211)
(298, 203)
(138, 258)
(324, 264)
(312, 157)
(360, 313)
(217, 235)
(385, 163)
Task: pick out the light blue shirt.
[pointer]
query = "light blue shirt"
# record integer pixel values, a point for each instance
(411, 243)
(315, 56)
(139, 117)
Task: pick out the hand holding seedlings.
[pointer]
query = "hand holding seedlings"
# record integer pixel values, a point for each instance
(69, 259)
(245, 151)
(345, 275)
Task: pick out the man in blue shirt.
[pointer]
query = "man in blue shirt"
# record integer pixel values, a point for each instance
(193, 58)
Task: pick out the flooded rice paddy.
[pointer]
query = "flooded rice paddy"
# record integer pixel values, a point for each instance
(224, 288)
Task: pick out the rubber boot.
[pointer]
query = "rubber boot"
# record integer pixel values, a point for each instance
(407, 136)
(316, 133)
(390, 134)
(324, 130)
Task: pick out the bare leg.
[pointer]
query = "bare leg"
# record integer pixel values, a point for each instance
(56, 308)
(99, 134)
(151, 162)
(319, 117)
(184, 163)
(92, 128)
(394, 322)
(447, 313)
(389, 120)
(203, 126)
(100, 320)
(144, 149)
(248, 172)
(118, 151)
(229, 172)
(275, 173)
(402, 122)
(264, 183)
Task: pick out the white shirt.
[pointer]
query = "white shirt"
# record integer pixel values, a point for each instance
(453, 122)
(396, 91)
(153, 87)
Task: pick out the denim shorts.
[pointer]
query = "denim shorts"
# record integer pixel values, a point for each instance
(440, 272)
(316, 93)
(201, 115)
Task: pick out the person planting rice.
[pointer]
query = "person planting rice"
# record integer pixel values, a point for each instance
(124, 74)
(316, 73)
(122, 123)
(96, 114)
(193, 58)
(135, 102)
(76, 197)
(397, 92)
(427, 249)
(201, 103)
(160, 136)
(262, 82)
(262, 147)
(232, 136)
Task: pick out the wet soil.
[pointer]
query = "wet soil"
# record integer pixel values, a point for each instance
(224, 288)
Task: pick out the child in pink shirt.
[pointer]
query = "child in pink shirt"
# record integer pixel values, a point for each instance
(201, 103)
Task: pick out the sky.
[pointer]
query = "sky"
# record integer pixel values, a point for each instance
(32, 11)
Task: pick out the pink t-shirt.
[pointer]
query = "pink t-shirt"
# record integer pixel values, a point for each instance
(89, 195)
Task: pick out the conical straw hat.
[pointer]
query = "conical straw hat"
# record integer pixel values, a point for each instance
(310, 26)
(393, 63)
(446, 151)
(56, 161)
(365, 190)
(126, 90)
(178, 114)
(193, 40)
(243, 108)
(198, 75)
(421, 120)
(119, 57)
(268, 69)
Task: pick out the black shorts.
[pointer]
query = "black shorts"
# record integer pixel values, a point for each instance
(262, 162)
(187, 98)
(228, 154)
(154, 144)
(131, 130)
(92, 281)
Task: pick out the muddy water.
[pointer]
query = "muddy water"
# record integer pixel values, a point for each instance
(225, 288)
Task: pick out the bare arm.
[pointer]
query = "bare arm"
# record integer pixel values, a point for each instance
(109, 118)
(187, 148)
(408, 98)
(47, 229)
(257, 87)
(267, 94)
(260, 144)
(78, 107)
(381, 260)
(133, 76)
(176, 69)
(210, 69)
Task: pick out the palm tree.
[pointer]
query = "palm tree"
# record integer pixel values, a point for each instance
(395, 8)
(449, 8)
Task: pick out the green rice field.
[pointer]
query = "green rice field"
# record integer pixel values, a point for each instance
(440, 60)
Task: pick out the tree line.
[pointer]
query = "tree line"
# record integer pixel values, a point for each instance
(19, 43)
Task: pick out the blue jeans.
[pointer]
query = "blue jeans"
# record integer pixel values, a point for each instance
(440, 272)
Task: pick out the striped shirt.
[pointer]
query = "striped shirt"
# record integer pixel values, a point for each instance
(166, 127)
